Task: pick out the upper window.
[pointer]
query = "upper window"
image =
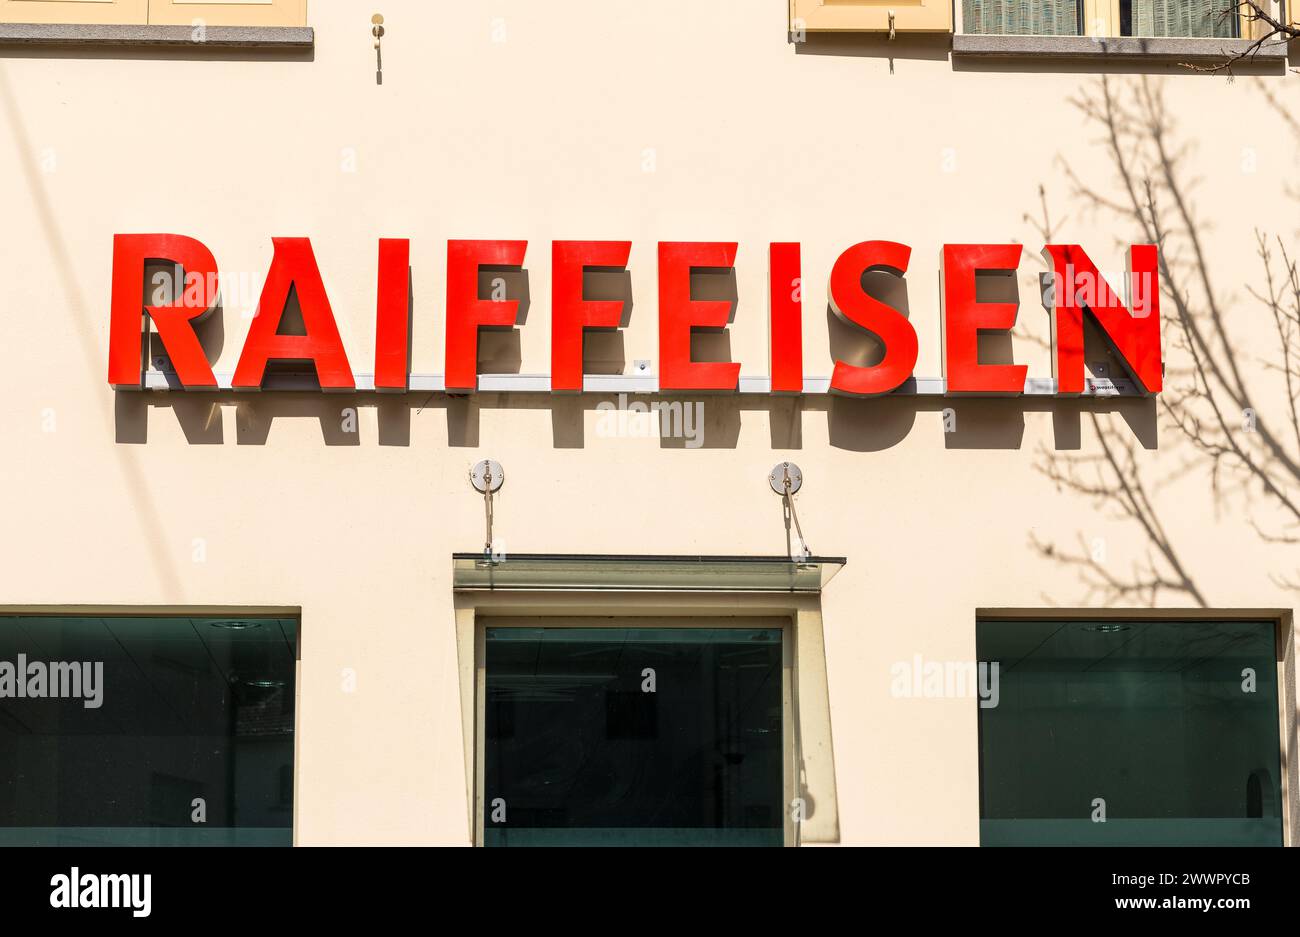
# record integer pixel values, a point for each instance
(146, 730)
(157, 12)
(1023, 17)
(1102, 18)
(1111, 732)
(1175, 18)
(1144, 18)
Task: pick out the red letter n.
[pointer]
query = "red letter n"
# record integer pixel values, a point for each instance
(1135, 335)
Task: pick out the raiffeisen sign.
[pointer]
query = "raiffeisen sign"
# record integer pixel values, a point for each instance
(1076, 289)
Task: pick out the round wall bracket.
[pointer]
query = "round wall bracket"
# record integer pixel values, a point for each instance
(487, 475)
(783, 470)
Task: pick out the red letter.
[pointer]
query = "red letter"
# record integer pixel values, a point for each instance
(466, 313)
(293, 267)
(851, 303)
(785, 354)
(1135, 335)
(570, 313)
(964, 317)
(393, 316)
(194, 298)
(678, 314)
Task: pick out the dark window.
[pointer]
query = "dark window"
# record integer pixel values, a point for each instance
(146, 731)
(1130, 733)
(633, 736)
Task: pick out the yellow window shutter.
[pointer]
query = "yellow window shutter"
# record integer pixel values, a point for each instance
(911, 16)
(228, 12)
(94, 12)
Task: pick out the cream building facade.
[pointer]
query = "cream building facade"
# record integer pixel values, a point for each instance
(728, 120)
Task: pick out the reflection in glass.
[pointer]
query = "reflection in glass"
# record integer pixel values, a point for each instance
(1168, 730)
(1204, 18)
(189, 743)
(1023, 17)
(627, 736)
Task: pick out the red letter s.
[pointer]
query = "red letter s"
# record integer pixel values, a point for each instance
(851, 303)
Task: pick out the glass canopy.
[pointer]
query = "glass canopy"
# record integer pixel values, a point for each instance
(577, 571)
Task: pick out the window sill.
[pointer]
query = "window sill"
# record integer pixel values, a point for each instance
(1174, 49)
(217, 37)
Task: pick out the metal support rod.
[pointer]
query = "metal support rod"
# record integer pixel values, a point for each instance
(487, 507)
(486, 477)
(789, 506)
(785, 479)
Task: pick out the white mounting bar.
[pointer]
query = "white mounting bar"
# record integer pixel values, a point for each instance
(636, 384)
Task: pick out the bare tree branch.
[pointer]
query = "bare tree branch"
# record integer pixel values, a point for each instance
(1249, 454)
(1271, 32)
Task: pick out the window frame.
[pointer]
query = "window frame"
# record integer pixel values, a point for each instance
(813, 746)
(1284, 654)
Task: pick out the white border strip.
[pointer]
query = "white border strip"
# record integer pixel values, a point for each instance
(635, 384)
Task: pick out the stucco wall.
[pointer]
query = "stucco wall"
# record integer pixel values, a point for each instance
(677, 120)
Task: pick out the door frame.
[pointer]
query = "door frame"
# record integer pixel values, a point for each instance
(809, 772)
